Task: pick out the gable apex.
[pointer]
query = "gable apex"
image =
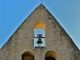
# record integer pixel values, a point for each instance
(40, 12)
(41, 6)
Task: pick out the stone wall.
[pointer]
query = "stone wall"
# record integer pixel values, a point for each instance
(56, 39)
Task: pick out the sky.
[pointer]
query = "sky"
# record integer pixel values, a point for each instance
(39, 31)
(14, 12)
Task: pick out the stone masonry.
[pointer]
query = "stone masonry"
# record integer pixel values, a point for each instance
(56, 39)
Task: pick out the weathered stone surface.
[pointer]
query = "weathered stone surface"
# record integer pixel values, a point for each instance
(56, 39)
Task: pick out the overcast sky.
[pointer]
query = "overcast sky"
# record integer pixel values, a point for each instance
(14, 12)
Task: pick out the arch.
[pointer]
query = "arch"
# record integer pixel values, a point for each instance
(28, 55)
(39, 30)
(50, 55)
(39, 25)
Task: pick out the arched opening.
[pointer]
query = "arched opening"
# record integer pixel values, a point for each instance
(28, 56)
(50, 58)
(50, 55)
(39, 34)
(40, 25)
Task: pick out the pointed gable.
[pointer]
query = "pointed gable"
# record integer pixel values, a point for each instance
(56, 38)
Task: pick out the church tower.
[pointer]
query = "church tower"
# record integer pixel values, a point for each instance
(53, 43)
